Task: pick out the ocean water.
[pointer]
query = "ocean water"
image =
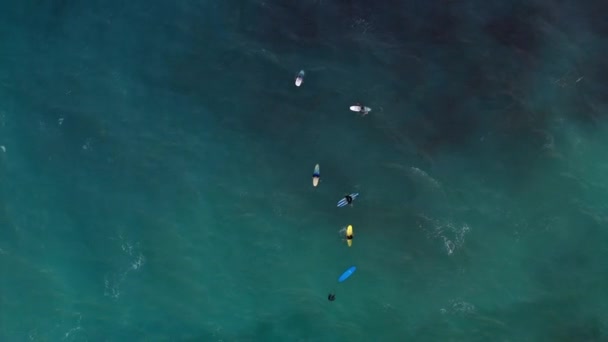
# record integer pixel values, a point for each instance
(155, 176)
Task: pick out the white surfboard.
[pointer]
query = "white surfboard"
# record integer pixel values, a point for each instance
(300, 78)
(316, 175)
(360, 109)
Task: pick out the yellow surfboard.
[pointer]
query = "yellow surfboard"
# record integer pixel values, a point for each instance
(349, 235)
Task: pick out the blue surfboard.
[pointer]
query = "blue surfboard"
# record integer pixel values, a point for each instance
(347, 274)
(343, 202)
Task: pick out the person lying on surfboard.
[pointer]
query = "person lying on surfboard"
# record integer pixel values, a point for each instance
(348, 199)
(347, 233)
(359, 108)
(316, 175)
(300, 78)
(349, 237)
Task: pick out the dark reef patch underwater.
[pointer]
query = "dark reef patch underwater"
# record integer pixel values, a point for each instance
(156, 161)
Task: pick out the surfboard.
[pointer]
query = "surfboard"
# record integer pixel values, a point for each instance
(347, 274)
(360, 109)
(343, 202)
(349, 232)
(316, 175)
(300, 78)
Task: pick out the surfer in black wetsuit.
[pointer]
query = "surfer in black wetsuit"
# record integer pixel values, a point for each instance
(331, 297)
(349, 199)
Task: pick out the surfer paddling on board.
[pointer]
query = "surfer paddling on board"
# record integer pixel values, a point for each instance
(300, 78)
(359, 108)
(348, 199)
(316, 175)
(348, 234)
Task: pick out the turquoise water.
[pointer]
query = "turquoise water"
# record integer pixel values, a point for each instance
(156, 178)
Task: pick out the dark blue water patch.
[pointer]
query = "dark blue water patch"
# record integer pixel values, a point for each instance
(444, 125)
(280, 25)
(517, 28)
(305, 25)
(586, 94)
(437, 23)
(464, 97)
(201, 67)
(442, 24)
(594, 11)
(386, 20)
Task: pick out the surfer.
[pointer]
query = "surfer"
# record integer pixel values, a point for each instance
(348, 233)
(316, 175)
(300, 78)
(359, 108)
(331, 297)
(348, 199)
